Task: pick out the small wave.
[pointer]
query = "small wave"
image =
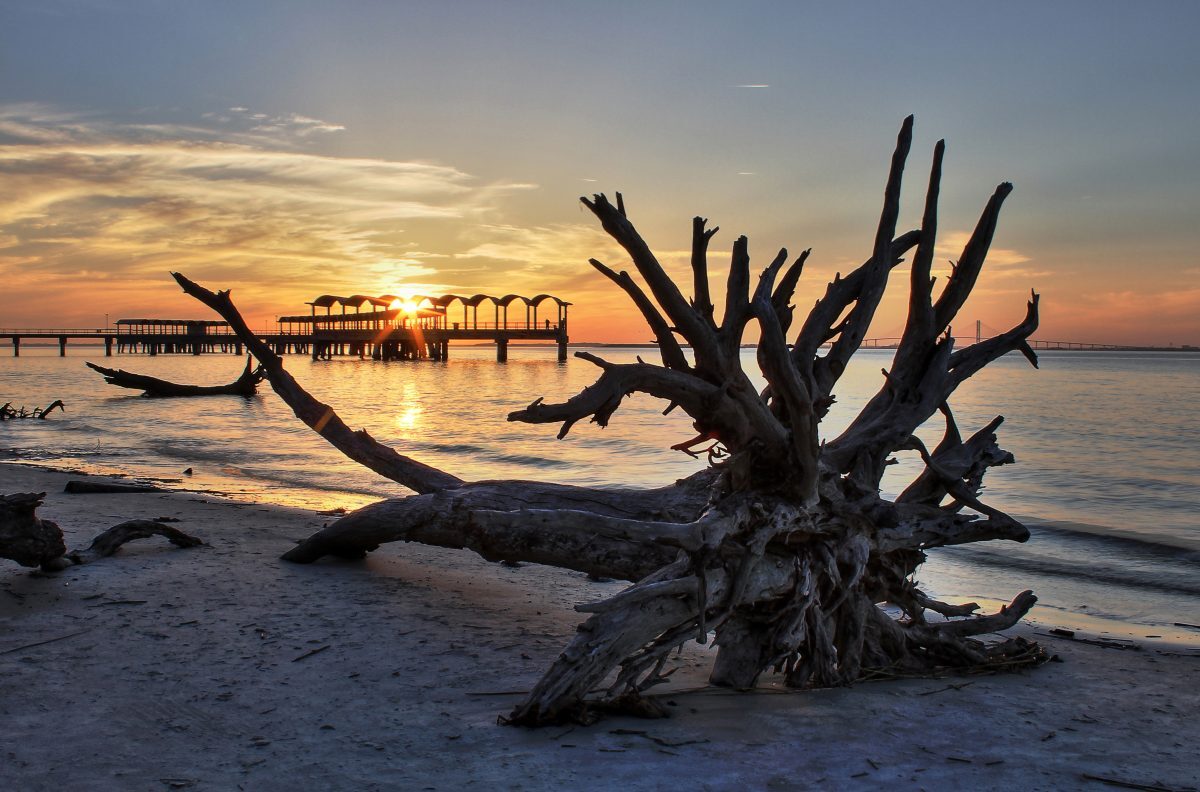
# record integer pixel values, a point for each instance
(483, 453)
(1168, 545)
(531, 461)
(312, 483)
(202, 452)
(1083, 569)
(441, 448)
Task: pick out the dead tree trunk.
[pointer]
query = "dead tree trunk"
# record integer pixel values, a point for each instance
(31, 541)
(783, 548)
(244, 385)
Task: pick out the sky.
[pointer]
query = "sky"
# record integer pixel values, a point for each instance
(290, 149)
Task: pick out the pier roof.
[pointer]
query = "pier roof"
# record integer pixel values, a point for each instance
(173, 322)
(440, 301)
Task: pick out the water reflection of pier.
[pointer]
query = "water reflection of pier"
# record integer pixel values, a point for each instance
(383, 328)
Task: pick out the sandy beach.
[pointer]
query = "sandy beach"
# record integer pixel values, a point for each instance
(223, 667)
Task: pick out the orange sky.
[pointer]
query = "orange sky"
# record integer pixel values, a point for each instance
(399, 150)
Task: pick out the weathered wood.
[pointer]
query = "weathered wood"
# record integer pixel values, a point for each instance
(521, 521)
(784, 548)
(25, 537)
(320, 417)
(245, 385)
(112, 539)
(8, 412)
(34, 542)
(76, 487)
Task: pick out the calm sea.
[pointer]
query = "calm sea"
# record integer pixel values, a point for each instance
(1107, 448)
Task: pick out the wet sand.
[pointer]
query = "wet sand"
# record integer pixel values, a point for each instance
(223, 667)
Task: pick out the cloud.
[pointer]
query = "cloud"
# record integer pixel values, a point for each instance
(950, 246)
(38, 123)
(238, 202)
(541, 245)
(1002, 268)
(260, 123)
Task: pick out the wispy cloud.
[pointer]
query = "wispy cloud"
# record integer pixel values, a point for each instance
(1002, 264)
(240, 202)
(950, 246)
(243, 119)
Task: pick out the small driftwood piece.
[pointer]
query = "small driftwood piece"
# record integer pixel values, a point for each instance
(75, 487)
(111, 540)
(152, 387)
(784, 548)
(25, 537)
(9, 413)
(32, 541)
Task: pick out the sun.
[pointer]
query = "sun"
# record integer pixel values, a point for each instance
(405, 304)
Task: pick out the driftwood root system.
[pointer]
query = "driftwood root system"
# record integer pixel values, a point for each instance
(783, 551)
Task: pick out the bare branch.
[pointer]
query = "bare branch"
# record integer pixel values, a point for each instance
(962, 280)
(921, 527)
(969, 360)
(668, 347)
(700, 399)
(839, 294)
(665, 291)
(963, 461)
(320, 417)
(830, 368)
(781, 299)
(737, 297)
(920, 329)
(702, 302)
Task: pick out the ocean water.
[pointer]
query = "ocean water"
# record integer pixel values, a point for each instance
(1107, 448)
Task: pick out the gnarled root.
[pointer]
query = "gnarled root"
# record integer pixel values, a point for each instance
(781, 591)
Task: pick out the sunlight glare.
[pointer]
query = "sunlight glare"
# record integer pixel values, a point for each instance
(405, 304)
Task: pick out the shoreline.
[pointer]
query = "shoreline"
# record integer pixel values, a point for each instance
(222, 665)
(950, 571)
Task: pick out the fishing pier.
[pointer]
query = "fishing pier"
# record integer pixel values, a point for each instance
(381, 328)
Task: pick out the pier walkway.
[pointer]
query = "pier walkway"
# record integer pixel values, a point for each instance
(391, 328)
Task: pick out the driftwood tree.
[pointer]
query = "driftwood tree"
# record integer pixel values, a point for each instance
(152, 387)
(783, 547)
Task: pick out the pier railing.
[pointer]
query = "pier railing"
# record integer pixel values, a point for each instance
(56, 331)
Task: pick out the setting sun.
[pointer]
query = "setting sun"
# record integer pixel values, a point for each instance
(405, 304)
